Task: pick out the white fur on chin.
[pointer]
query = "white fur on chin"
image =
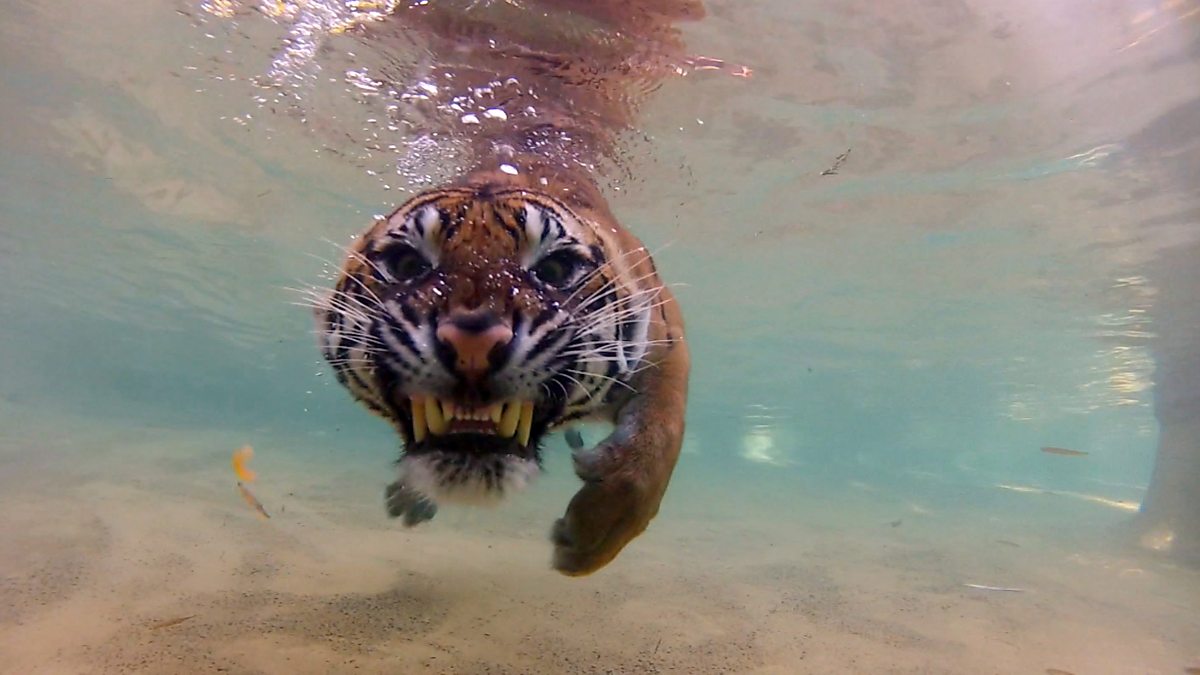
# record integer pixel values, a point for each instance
(421, 473)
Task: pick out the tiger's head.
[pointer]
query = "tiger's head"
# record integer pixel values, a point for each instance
(478, 318)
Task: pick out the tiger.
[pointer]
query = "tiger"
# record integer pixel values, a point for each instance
(509, 303)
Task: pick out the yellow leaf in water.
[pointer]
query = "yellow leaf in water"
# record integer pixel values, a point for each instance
(240, 457)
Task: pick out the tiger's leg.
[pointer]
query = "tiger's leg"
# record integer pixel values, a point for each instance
(404, 501)
(626, 475)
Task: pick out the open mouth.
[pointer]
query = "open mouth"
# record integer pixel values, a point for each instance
(498, 425)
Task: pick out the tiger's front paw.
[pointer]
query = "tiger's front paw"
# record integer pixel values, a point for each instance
(602, 518)
(403, 501)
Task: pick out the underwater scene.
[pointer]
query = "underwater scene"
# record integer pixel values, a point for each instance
(831, 337)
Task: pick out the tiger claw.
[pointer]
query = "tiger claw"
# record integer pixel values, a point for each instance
(574, 439)
(402, 501)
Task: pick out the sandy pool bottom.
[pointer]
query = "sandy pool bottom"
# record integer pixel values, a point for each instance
(127, 551)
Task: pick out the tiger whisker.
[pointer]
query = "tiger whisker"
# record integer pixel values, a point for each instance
(634, 293)
(340, 306)
(566, 394)
(592, 321)
(339, 300)
(630, 299)
(607, 354)
(356, 255)
(642, 249)
(360, 338)
(595, 318)
(602, 377)
(609, 263)
(351, 362)
(585, 358)
(601, 268)
(376, 298)
(348, 306)
(605, 287)
(594, 358)
(612, 346)
(645, 366)
(366, 346)
(610, 285)
(365, 354)
(327, 302)
(351, 277)
(605, 321)
(312, 293)
(321, 294)
(590, 394)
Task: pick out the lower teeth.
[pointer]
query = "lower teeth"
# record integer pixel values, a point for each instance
(434, 416)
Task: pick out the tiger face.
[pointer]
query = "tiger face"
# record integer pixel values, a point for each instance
(476, 319)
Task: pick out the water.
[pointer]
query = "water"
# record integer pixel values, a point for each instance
(878, 354)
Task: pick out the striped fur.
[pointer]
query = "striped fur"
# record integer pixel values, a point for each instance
(604, 341)
(576, 346)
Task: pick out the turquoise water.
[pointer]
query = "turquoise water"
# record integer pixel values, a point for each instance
(879, 355)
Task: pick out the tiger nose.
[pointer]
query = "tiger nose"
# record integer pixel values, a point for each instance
(477, 339)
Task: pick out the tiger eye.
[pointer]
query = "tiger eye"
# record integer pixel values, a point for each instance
(406, 264)
(556, 269)
(552, 272)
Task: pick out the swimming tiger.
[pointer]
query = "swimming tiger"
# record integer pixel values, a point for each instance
(483, 314)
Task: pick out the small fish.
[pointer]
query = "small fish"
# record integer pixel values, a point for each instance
(167, 623)
(252, 501)
(240, 457)
(896, 523)
(1058, 671)
(1008, 543)
(1063, 451)
(1002, 589)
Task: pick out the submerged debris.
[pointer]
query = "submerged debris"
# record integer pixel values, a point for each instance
(1063, 451)
(837, 163)
(1001, 589)
(709, 63)
(1095, 499)
(167, 623)
(252, 501)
